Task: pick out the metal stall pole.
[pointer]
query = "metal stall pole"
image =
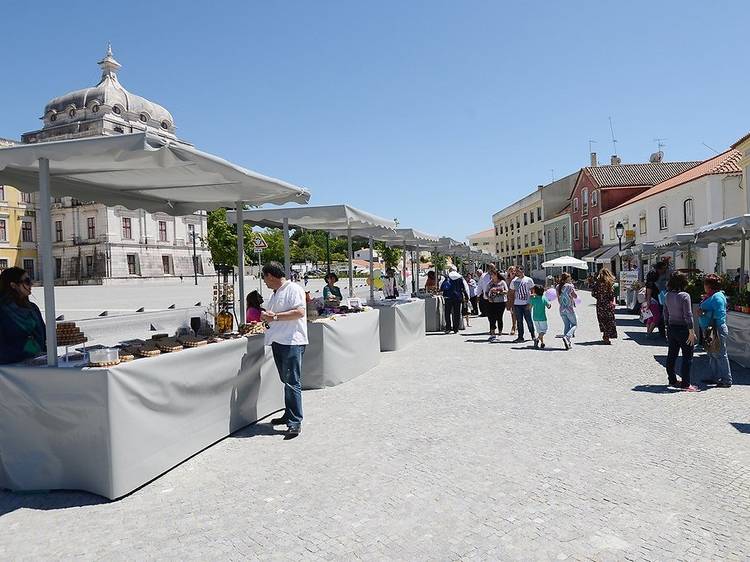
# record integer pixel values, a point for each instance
(404, 266)
(48, 261)
(328, 252)
(372, 273)
(351, 264)
(287, 258)
(419, 270)
(241, 258)
(195, 260)
(743, 248)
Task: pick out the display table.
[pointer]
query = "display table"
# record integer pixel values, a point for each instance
(434, 312)
(112, 430)
(341, 349)
(401, 323)
(738, 342)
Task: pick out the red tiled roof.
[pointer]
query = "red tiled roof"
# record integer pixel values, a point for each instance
(646, 174)
(724, 163)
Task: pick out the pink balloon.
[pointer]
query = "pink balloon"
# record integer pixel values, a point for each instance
(551, 294)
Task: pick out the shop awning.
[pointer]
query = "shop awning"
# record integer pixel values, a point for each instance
(141, 171)
(605, 254)
(644, 249)
(591, 257)
(675, 242)
(729, 230)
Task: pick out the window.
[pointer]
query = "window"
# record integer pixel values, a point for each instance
(127, 228)
(496, 231)
(576, 231)
(595, 227)
(539, 238)
(89, 266)
(143, 117)
(525, 219)
(27, 235)
(518, 222)
(538, 213)
(2, 193)
(557, 237)
(642, 224)
(565, 234)
(72, 113)
(25, 197)
(3, 231)
(58, 231)
(663, 225)
(166, 265)
(28, 265)
(585, 201)
(511, 226)
(531, 217)
(512, 244)
(3, 264)
(611, 231)
(525, 240)
(162, 231)
(58, 268)
(132, 264)
(575, 204)
(594, 198)
(687, 212)
(116, 110)
(165, 125)
(585, 233)
(91, 228)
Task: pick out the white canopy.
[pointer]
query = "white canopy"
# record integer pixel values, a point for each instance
(729, 230)
(141, 171)
(566, 261)
(675, 242)
(329, 218)
(138, 171)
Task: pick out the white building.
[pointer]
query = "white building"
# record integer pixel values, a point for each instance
(483, 241)
(364, 254)
(709, 192)
(96, 243)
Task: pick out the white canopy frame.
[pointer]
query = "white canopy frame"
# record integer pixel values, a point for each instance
(566, 261)
(729, 230)
(334, 219)
(137, 171)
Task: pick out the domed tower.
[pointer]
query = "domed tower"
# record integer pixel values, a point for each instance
(106, 109)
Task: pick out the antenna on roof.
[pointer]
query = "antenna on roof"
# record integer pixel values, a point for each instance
(710, 148)
(658, 156)
(552, 172)
(659, 143)
(614, 140)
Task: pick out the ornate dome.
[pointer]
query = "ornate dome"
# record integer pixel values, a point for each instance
(109, 98)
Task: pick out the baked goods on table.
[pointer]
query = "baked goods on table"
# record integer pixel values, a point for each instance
(148, 350)
(127, 353)
(252, 329)
(192, 341)
(168, 345)
(104, 363)
(69, 334)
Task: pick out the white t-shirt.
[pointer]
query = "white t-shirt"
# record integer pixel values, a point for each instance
(289, 296)
(483, 284)
(522, 286)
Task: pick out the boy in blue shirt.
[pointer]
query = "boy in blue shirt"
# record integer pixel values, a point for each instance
(539, 305)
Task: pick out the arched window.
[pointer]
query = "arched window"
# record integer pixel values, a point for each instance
(687, 212)
(663, 225)
(594, 198)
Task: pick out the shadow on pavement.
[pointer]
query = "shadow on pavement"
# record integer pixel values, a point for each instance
(628, 322)
(256, 429)
(741, 427)
(655, 389)
(47, 501)
(642, 338)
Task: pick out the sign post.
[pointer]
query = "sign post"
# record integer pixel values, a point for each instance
(259, 244)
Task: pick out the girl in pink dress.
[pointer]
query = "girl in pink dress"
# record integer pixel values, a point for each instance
(254, 307)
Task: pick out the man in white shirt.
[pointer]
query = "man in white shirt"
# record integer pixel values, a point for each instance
(482, 286)
(522, 286)
(287, 335)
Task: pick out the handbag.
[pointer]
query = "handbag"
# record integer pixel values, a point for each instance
(646, 314)
(711, 342)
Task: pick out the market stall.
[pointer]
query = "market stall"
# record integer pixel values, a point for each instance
(111, 430)
(733, 230)
(341, 348)
(402, 323)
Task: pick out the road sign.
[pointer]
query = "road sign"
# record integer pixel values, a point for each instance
(258, 250)
(258, 242)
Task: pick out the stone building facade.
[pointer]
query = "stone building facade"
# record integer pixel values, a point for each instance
(94, 243)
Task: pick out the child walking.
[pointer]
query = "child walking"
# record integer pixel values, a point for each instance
(566, 297)
(539, 305)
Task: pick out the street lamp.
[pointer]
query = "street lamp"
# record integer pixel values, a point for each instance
(620, 230)
(195, 255)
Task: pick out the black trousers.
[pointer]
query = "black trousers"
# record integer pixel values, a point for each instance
(474, 310)
(678, 341)
(495, 311)
(482, 306)
(452, 315)
(660, 326)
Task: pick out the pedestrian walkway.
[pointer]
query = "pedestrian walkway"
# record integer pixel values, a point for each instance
(455, 448)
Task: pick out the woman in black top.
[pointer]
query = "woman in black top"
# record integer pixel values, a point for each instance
(22, 330)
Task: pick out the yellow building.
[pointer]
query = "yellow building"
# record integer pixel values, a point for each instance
(17, 228)
(743, 145)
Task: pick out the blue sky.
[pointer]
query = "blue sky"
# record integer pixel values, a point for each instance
(436, 112)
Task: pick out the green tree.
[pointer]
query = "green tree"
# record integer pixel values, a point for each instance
(439, 261)
(391, 255)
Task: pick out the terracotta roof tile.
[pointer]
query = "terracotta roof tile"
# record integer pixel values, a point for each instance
(724, 163)
(626, 175)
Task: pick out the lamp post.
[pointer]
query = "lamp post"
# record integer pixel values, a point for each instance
(195, 256)
(620, 230)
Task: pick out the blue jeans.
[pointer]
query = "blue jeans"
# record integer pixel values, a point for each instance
(718, 363)
(523, 311)
(570, 323)
(288, 360)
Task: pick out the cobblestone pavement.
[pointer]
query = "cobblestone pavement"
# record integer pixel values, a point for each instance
(453, 449)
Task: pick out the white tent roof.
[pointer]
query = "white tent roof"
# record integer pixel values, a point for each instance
(140, 171)
(566, 261)
(729, 230)
(408, 237)
(675, 242)
(330, 218)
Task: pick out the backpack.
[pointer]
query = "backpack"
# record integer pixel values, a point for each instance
(453, 289)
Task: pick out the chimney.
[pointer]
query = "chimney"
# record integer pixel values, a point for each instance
(615, 160)
(594, 162)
